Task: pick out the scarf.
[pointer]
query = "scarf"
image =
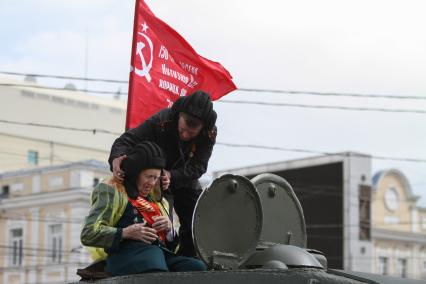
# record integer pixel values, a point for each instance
(148, 210)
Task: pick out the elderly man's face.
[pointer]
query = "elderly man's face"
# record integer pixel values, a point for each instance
(187, 133)
(147, 180)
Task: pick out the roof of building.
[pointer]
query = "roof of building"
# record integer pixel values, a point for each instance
(62, 93)
(88, 164)
(301, 162)
(60, 116)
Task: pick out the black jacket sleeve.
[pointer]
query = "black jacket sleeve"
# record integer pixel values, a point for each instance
(196, 166)
(130, 138)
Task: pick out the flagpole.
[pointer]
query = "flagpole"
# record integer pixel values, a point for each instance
(130, 92)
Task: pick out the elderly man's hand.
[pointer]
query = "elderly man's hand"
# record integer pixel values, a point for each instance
(161, 223)
(140, 232)
(116, 168)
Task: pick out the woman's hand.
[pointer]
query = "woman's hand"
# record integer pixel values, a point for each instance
(140, 233)
(161, 223)
(165, 179)
(116, 168)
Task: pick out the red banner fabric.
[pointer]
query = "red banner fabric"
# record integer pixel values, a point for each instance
(165, 67)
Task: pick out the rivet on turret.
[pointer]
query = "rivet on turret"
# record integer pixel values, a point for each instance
(272, 190)
(232, 186)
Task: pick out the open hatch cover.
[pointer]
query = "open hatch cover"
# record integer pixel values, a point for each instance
(227, 222)
(283, 220)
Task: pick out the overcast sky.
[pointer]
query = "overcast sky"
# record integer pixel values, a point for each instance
(366, 47)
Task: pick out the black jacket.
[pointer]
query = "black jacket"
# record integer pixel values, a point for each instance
(186, 161)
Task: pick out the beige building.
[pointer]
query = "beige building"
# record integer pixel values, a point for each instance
(43, 192)
(41, 212)
(398, 227)
(23, 145)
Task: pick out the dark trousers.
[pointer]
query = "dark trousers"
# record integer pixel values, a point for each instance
(138, 257)
(184, 200)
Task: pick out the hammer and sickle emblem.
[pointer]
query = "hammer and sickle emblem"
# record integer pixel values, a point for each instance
(144, 72)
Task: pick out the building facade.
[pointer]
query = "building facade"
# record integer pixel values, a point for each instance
(41, 212)
(398, 227)
(80, 126)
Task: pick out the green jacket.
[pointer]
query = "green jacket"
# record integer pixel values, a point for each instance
(108, 203)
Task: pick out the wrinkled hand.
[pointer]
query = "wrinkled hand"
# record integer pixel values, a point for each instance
(161, 223)
(140, 233)
(116, 168)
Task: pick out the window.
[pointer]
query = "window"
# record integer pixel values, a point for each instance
(364, 212)
(4, 191)
(32, 157)
(16, 187)
(56, 182)
(55, 243)
(383, 265)
(15, 246)
(402, 267)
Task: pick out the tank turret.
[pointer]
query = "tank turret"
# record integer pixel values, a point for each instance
(242, 224)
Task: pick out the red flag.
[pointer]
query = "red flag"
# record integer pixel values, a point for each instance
(165, 67)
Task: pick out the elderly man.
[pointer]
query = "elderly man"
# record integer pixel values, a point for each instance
(187, 134)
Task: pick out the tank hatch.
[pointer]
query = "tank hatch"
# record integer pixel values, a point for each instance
(227, 222)
(283, 220)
